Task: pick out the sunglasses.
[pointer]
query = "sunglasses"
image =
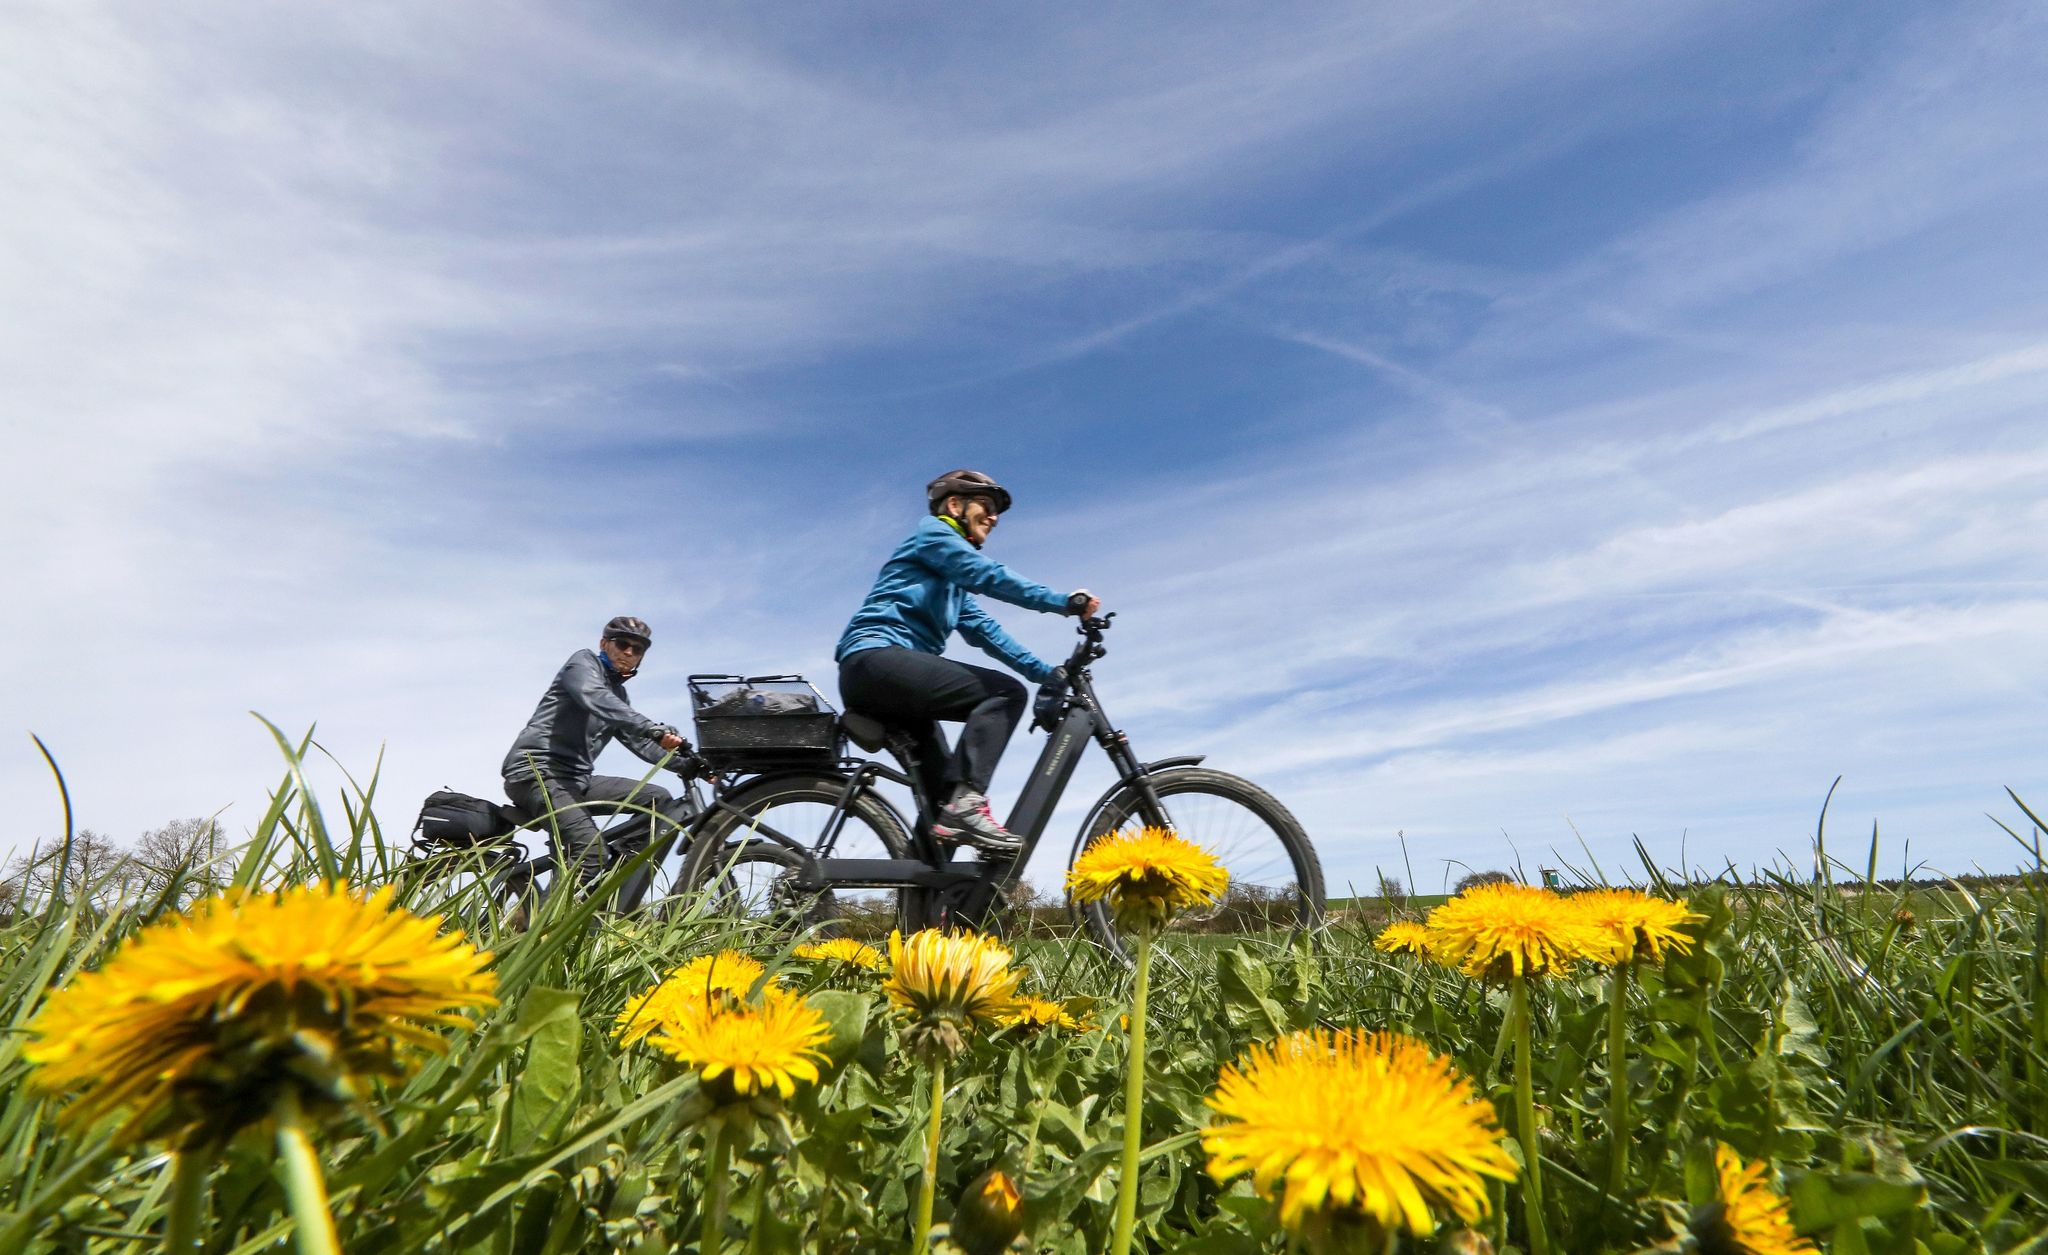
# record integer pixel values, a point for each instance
(628, 643)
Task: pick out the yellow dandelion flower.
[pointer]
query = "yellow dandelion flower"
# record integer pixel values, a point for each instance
(1503, 930)
(726, 976)
(1147, 877)
(842, 950)
(1751, 1218)
(1403, 937)
(197, 1022)
(1035, 1015)
(1348, 1128)
(1640, 927)
(744, 1048)
(949, 982)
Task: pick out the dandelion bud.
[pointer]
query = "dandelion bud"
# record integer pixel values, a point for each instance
(989, 1215)
(935, 1040)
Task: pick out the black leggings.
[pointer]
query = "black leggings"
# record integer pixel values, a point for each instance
(572, 823)
(913, 691)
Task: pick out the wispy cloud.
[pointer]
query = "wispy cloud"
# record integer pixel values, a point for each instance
(373, 355)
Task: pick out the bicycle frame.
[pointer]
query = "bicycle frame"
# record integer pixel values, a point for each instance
(685, 816)
(972, 883)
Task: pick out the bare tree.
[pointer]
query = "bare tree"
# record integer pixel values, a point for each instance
(95, 869)
(184, 860)
(1477, 879)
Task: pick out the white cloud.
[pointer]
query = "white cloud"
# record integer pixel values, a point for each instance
(321, 309)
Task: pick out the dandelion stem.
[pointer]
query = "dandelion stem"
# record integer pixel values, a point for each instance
(929, 1188)
(1500, 1042)
(1525, 1121)
(188, 1201)
(1618, 1121)
(717, 1167)
(1134, 1104)
(304, 1187)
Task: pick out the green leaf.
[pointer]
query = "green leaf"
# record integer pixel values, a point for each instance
(1797, 1032)
(1244, 981)
(847, 1015)
(545, 1091)
(2030, 1174)
(1823, 1200)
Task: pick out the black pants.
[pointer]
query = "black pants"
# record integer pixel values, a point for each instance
(913, 691)
(579, 848)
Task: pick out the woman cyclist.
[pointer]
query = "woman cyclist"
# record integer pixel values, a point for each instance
(890, 663)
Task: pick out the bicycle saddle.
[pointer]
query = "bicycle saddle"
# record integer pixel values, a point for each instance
(869, 733)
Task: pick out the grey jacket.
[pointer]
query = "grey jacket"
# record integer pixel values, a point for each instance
(577, 717)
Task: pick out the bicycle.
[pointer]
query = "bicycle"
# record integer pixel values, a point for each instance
(785, 843)
(515, 882)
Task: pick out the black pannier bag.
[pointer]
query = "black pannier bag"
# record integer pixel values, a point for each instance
(759, 722)
(457, 820)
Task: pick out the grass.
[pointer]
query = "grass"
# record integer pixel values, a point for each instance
(1893, 1070)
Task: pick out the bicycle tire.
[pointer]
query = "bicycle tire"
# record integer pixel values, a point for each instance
(1277, 880)
(725, 850)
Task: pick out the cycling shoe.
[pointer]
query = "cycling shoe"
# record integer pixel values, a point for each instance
(967, 820)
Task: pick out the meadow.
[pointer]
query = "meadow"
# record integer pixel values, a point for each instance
(1882, 1056)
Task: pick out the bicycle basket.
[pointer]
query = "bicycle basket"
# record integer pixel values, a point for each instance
(753, 723)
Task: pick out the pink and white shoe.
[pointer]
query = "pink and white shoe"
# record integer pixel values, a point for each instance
(967, 820)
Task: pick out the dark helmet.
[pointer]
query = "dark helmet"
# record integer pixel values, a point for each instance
(628, 626)
(966, 483)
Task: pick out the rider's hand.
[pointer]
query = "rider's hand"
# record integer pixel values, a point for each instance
(1083, 604)
(670, 741)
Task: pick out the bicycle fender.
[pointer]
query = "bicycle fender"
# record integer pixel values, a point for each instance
(1152, 768)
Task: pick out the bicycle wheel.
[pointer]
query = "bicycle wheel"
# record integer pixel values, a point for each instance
(516, 892)
(1276, 882)
(746, 875)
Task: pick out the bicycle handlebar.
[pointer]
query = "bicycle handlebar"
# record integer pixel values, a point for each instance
(1091, 646)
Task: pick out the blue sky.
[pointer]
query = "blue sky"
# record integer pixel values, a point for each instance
(1500, 424)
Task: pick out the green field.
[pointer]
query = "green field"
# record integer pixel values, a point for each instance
(1886, 1053)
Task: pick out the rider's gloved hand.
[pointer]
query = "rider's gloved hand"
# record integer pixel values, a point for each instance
(671, 740)
(1083, 604)
(1045, 708)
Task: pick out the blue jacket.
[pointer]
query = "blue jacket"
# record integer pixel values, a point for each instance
(921, 597)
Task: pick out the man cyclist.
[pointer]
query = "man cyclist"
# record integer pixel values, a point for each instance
(551, 764)
(890, 664)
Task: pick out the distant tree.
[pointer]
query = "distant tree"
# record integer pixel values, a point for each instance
(1025, 896)
(97, 871)
(1477, 879)
(1393, 892)
(184, 860)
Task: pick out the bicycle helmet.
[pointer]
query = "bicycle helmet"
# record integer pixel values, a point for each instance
(966, 483)
(629, 627)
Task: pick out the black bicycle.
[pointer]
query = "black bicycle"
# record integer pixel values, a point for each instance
(806, 834)
(462, 836)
